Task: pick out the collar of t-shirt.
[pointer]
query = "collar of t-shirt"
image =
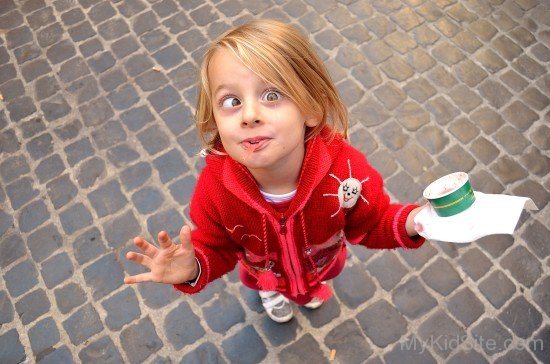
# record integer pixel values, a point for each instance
(279, 202)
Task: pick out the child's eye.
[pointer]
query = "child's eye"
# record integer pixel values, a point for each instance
(272, 95)
(230, 102)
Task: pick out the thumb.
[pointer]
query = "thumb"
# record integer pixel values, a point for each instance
(185, 237)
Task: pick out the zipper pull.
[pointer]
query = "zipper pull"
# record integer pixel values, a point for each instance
(282, 222)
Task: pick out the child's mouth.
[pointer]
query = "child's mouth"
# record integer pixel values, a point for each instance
(253, 144)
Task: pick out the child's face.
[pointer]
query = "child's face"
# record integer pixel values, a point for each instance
(258, 126)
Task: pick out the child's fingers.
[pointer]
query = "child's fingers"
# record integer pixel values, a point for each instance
(139, 258)
(164, 240)
(185, 237)
(149, 249)
(138, 278)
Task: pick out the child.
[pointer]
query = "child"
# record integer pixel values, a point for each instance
(282, 191)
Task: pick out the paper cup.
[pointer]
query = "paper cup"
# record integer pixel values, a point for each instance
(450, 194)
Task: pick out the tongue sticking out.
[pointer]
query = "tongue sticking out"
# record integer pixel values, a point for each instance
(250, 148)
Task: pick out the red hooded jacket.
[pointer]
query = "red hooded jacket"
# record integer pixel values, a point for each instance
(339, 198)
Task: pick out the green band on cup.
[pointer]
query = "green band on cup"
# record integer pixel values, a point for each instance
(454, 201)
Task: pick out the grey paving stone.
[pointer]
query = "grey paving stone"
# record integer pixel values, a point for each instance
(182, 326)
(103, 276)
(353, 286)
(439, 330)
(457, 159)
(516, 356)
(539, 344)
(88, 245)
(521, 317)
(387, 269)
(11, 348)
(61, 191)
(321, 316)
(277, 334)
(6, 309)
(304, 349)
(158, 295)
(411, 350)
(56, 270)
(43, 336)
(32, 305)
(205, 352)
(58, 355)
(412, 299)
(491, 336)
(99, 351)
(12, 90)
(122, 308)
(470, 356)
(465, 306)
(522, 265)
(75, 218)
(497, 288)
(475, 263)
(147, 199)
(170, 165)
(69, 297)
(134, 176)
(136, 118)
(107, 199)
(43, 242)
(140, 341)
(382, 323)
(121, 230)
(20, 192)
(49, 168)
(441, 276)
(109, 133)
(78, 151)
(82, 324)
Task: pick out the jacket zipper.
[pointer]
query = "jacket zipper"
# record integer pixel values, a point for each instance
(292, 263)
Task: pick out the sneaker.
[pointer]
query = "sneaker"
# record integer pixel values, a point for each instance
(314, 304)
(277, 306)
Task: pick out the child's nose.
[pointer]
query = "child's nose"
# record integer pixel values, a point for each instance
(250, 115)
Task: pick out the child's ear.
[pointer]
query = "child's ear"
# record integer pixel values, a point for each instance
(312, 121)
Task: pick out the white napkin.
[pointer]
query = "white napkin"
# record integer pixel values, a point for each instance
(489, 214)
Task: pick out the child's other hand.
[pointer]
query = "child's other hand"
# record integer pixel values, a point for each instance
(170, 263)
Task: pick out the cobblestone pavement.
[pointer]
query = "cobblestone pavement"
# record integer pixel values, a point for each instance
(97, 145)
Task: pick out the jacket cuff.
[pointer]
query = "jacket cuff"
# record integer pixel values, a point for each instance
(400, 230)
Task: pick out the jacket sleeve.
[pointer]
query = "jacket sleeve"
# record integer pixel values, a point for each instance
(378, 223)
(215, 252)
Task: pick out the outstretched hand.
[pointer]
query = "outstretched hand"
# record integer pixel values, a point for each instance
(170, 263)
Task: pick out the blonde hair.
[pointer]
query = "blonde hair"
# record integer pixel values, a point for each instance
(281, 56)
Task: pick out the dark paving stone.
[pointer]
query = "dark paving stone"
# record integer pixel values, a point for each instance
(412, 299)
(349, 343)
(21, 278)
(182, 190)
(6, 309)
(457, 159)
(121, 308)
(278, 334)
(496, 245)
(441, 276)
(89, 172)
(164, 98)
(96, 112)
(151, 80)
(69, 297)
(43, 336)
(387, 269)
(57, 355)
(536, 237)
(104, 276)
(522, 265)
(13, 248)
(102, 350)
(107, 199)
(60, 52)
(439, 329)
(519, 115)
(75, 218)
(182, 326)
(43, 242)
(484, 150)
(49, 168)
(322, 315)
(136, 118)
(538, 164)
(82, 324)
(11, 349)
(475, 263)
(153, 139)
(32, 305)
(135, 176)
(156, 295)
(303, 350)
(56, 270)
(140, 341)
(353, 286)
(382, 323)
(223, 313)
(471, 357)
(491, 336)
(55, 108)
(170, 165)
(465, 306)
(61, 191)
(121, 230)
(109, 134)
(539, 344)
(250, 296)
(409, 351)
(88, 246)
(541, 294)
(521, 317)
(206, 352)
(516, 356)
(497, 288)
